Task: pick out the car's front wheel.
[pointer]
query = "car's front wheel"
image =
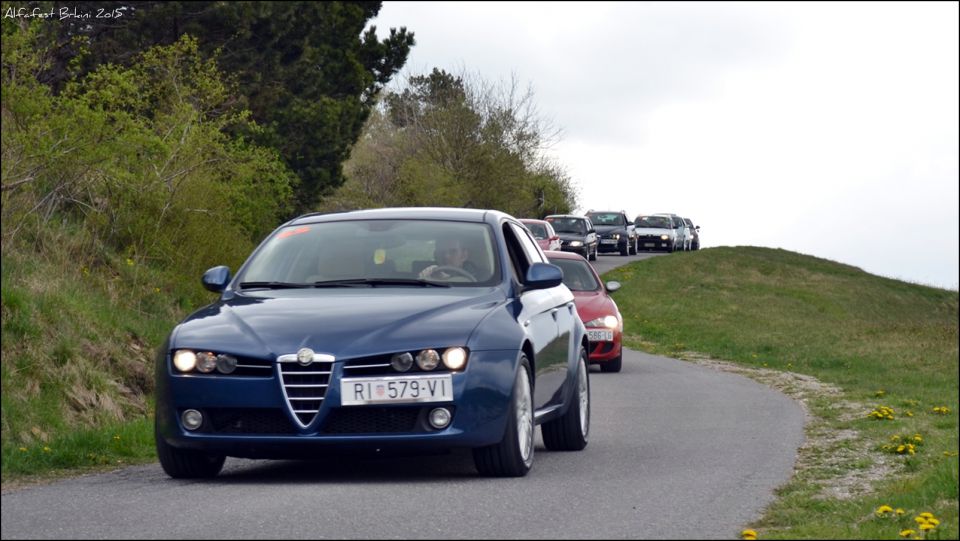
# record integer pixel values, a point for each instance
(613, 365)
(185, 463)
(571, 431)
(513, 456)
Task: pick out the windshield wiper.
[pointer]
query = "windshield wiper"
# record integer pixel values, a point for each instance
(373, 282)
(273, 285)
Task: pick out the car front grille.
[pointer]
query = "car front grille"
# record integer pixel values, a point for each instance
(249, 421)
(377, 420)
(304, 387)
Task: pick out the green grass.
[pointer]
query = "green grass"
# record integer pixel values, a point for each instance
(880, 342)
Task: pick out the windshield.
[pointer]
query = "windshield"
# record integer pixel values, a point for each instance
(539, 230)
(577, 275)
(377, 250)
(568, 225)
(606, 218)
(659, 222)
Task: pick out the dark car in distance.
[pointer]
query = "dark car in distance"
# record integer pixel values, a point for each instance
(616, 232)
(695, 231)
(329, 338)
(577, 234)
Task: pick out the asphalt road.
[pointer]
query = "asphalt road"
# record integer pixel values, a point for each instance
(677, 451)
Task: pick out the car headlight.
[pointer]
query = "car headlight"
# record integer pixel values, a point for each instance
(576, 243)
(664, 237)
(185, 360)
(610, 322)
(454, 358)
(615, 236)
(204, 361)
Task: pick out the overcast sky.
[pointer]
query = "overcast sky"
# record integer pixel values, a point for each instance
(829, 129)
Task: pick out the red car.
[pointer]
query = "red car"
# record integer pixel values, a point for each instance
(597, 310)
(543, 232)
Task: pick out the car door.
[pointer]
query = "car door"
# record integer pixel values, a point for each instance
(539, 313)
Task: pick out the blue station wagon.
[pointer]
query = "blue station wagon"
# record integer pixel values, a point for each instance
(419, 329)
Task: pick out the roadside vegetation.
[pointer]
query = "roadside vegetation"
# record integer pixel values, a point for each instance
(874, 361)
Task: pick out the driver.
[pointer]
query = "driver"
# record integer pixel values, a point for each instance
(450, 255)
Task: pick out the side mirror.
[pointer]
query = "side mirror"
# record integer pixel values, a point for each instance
(555, 237)
(698, 228)
(612, 286)
(543, 276)
(216, 279)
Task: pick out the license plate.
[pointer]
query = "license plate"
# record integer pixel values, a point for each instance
(600, 336)
(649, 244)
(608, 241)
(396, 390)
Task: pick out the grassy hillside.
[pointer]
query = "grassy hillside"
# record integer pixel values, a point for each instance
(871, 342)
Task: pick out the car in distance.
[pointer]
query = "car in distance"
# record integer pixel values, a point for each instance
(327, 338)
(577, 234)
(617, 233)
(656, 232)
(543, 233)
(695, 234)
(684, 237)
(595, 307)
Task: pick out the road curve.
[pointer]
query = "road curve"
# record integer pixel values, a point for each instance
(677, 451)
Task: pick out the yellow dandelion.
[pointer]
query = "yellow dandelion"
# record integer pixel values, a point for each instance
(933, 521)
(918, 438)
(116, 437)
(23, 449)
(909, 414)
(879, 393)
(129, 262)
(900, 511)
(927, 526)
(46, 449)
(927, 515)
(906, 533)
(748, 534)
(884, 509)
(920, 520)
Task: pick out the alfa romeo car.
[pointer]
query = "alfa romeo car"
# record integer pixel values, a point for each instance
(410, 329)
(596, 309)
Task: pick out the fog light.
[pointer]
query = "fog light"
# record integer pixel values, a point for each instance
(428, 359)
(401, 362)
(184, 360)
(206, 362)
(226, 363)
(191, 419)
(439, 418)
(455, 358)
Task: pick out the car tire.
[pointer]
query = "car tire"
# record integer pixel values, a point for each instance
(571, 431)
(513, 455)
(593, 257)
(185, 463)
(613, 365)
(633, 247)
(625, 250)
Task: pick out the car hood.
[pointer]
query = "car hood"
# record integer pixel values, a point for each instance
(571, 236)
(602, 229)
(593, 304)
(654, 231)
(345, 323)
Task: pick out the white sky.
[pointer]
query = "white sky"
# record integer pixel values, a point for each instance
(829, 129)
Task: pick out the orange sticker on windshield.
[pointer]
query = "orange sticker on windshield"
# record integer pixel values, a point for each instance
(379, 256)
(292, 232)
